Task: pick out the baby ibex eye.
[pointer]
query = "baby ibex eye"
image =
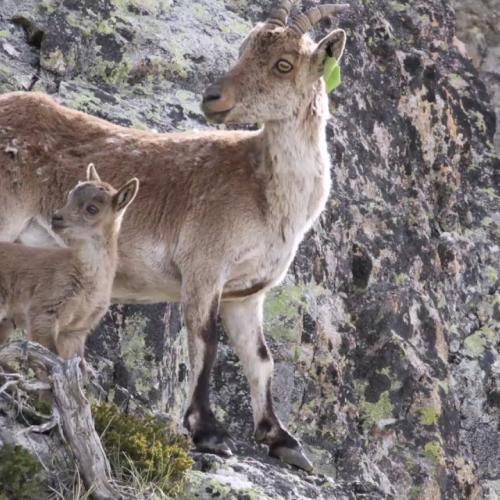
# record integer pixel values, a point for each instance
(283, 66)
(92, 209)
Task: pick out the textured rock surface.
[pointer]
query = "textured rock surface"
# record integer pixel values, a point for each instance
(478, 26)
(386, 331)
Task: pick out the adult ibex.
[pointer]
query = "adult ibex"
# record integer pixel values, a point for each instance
(220, 214)
(60, 294)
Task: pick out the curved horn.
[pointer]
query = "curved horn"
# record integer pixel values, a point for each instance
(305, 21)
(279, 14)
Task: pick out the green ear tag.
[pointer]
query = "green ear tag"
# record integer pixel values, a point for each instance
(331, 74)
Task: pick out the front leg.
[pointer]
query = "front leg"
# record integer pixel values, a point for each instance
(243, 324)
(201, 305)
(71, 344)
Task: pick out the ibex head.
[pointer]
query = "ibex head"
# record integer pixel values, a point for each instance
(279, 68)
(93, 207)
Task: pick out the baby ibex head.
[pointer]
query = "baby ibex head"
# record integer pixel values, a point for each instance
(93, 208)
(279, 68)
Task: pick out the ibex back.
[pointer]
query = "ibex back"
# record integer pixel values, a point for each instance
(219, 215)
(60, 294)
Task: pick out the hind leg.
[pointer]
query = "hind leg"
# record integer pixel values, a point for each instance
(200, 300)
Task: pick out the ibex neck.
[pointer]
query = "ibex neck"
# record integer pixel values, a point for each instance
(297, 167)
(97, 254)
(293, 141)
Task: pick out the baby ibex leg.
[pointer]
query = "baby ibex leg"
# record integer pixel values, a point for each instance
(69, 345)
(200, 312)
(243, 324)
(6, 329)
(43, 328)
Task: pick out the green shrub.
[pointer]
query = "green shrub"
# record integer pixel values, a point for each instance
(21, 475)
(142, 445)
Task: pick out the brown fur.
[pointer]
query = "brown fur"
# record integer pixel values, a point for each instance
(60, 294)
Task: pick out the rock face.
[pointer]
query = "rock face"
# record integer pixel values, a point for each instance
(386, 330)
(478, 26)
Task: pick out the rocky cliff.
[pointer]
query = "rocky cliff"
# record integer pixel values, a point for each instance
(386, 330)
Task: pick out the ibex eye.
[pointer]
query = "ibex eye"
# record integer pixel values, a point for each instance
(283, 66)
(92, 209)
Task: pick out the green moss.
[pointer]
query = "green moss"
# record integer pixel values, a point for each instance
(375, 412)
(87, 103)
(200, 12)
(434, 452)
(136, 355)
(47, 6)
(111, 72)
(491, 275)
(213, 487)
(282, 313)
(4, 33)
(58, 62)
(21, 475)
(478, 341)
(416, 492)
(105, 27)
(479, 121)
(491, 193)
(41, 404)
(428, 415)
(457, 82)
(236, 26)
(152, 7)
(145, 446)
(188, 100)
(401, 279)
(399, 7)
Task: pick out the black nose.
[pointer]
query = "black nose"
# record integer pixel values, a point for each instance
(57, 218)
(213, 93)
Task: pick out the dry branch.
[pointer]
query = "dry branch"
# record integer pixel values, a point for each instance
(71, 411)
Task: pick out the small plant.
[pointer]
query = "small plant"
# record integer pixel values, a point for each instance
(21, 475)
(142, 446)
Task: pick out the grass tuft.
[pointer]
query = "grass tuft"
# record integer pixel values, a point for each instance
(21, 475)
(143, 452)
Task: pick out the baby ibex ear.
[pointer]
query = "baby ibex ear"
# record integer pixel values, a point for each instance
(92, 174)
(125, 195)
(331, 46)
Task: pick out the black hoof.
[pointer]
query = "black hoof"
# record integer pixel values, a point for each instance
(293, 456)
(213, 442)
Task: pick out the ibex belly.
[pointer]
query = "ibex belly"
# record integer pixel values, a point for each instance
(259, 272)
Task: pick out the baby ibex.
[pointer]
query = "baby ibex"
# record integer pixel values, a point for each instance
(220, 214)
(60, 294)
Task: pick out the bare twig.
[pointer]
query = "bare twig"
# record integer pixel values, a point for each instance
(7, 384)
(71, 411)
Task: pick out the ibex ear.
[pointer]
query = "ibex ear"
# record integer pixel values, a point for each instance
(92, 174)
(332, 46)
(125, 195)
